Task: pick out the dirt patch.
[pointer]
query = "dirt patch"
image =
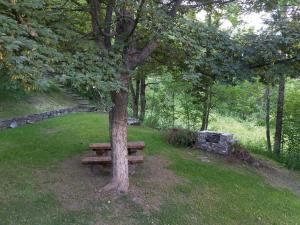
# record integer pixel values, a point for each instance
(245, 157)
(77, 186)
(275, 175)
(151, 181)
(73, 184)
(281, 177)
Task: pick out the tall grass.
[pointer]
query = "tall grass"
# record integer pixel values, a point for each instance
(251, 136)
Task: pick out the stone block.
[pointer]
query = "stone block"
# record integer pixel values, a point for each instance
(217, 142)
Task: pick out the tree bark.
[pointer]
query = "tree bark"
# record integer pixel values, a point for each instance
(206, 109)
(173, 110)
(205, 115)
(143, 98)
(120, 180)
(279, 116)
(135, 94)
(267, 108)
(108, 23)
(94, 12)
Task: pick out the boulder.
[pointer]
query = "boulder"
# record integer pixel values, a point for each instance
(13, 124)
(133, 121)
(217, 142)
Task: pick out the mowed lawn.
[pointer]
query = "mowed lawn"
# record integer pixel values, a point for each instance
(42, 182)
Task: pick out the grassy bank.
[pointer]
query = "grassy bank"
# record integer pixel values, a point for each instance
(43, 182)
(247, 133)
(15, 106)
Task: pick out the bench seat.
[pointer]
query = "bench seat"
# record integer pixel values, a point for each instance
(92, 160)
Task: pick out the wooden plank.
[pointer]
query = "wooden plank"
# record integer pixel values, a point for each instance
(136, 145)
(106, 146)
(100, 146)
(107, 159)
(132, 159)
(96, 160)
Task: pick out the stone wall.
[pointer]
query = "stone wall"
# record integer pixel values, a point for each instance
(133, 121)
(220, 143)
(19, 121)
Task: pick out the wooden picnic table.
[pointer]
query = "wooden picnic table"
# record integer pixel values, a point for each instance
(102, 153)
(104, 148)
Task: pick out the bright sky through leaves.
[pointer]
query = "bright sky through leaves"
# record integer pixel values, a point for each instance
(250, 20)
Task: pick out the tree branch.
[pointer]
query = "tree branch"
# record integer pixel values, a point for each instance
(280, 61)
(139, 58)
(136, 21)
(94, 12)
(107, 24)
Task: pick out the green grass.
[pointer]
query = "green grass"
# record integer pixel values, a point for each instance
(210, 193)
(34, 103)
(247, 133)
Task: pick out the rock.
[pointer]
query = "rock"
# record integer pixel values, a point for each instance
(204, 159)
(13, 124)
(220, 143)
(133, 121)
(17, 122)
(28, 121)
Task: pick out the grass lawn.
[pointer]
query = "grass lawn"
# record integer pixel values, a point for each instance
(43, 182)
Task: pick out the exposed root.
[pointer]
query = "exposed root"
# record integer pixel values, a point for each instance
(110, 187)
(113, 187)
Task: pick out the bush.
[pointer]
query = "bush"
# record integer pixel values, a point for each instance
(180, 137)
(291, 128)
(151, 121)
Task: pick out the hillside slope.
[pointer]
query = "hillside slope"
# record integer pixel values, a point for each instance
(43, 181)
(11, 107)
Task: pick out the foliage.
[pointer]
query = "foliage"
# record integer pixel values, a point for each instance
(180, 137)
(249, 135)
(27, 47)
(291, 130)
(243, 101)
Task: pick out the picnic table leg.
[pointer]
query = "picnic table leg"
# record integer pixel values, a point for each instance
(131, 151)
(92, 168)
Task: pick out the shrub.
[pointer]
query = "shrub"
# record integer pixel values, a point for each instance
(180, 137)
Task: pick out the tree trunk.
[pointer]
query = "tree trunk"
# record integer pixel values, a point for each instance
(267, 105)
(135, 94)
(203, 117)
(173, 110)
(188, 117)
(110, 116)
(279, 116)
(94, 12)
(143, 98)
(108, 23)
(120, 180)
(206, 108)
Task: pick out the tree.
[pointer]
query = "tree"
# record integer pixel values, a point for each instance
(276, 51)
(279, 116)
(125, 23)
(99, 45)
(267, 116)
